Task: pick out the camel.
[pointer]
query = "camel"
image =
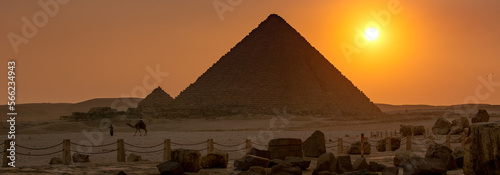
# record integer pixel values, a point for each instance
(138, 127)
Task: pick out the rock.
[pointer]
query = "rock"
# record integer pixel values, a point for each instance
(423, 166)
(284, 169)
(80, 157)
(458, 125)
(215, 160)
(122, 173)
(257, 170)
(458, 155)
(355, 148)
(390, 171)
(482, 149)
(297, 161)
(170, 168)
(360, 164)
(402, 156)
(133, 158)
(314, 146)
(441, 126)
(327, 162)
(481, 116)
(189, 159)
(443, 153)
(55, 161)
(361, 172)
(250, 160)
(395, 144)
(376, 167)
(285, 147)
(344, 162)
(275, 162)
(406, 130)
(326, 173)
(260, 153)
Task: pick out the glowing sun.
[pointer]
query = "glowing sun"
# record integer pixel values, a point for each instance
(371, 34)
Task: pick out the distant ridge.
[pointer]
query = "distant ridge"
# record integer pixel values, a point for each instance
(274, 67)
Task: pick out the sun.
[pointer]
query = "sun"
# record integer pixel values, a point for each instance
(371, 34)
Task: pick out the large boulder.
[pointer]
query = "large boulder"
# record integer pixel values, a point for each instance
(360, 164)
(314, 146)
(458, 125)
(395, 144)
(248, 161)
(215, 160)
(458, 155)
(376, 167)
(355, 148)
(170, 168)
(345, 163)
(256, 170)
(423, 166)
(284, 169)
(442, 153)
(327, 162)
(134, 158)
(481, 116)
(260, 153)
(482, 149)
(405, 130)
(55, 161)
(80, 157)
(285, 147)
(190, 160)
(441, 126)
(297, 161)
(390, 171)
(400, 157)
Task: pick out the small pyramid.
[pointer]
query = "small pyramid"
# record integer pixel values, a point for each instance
(155, 102)
(274, 67)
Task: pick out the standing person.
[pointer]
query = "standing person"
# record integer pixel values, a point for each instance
(111, 130)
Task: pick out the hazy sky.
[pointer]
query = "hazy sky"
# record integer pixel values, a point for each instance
(431, 52)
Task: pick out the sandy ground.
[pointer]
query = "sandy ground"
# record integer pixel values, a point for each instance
(226, 131)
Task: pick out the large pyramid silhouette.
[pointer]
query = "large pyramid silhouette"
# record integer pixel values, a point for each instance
(272, 68)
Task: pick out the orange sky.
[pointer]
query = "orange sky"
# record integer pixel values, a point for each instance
(432, 52)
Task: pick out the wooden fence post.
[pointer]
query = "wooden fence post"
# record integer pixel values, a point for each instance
(408, 142)
(388, 146)
(362, 145)
(386, 134)
(210, 146)
(167, 150)
(66, 157)
(120, 151)
(5, 153)
(448, 141)
(248, 146)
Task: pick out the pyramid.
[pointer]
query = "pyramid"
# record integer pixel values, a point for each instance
(274, 67)
(155, 103)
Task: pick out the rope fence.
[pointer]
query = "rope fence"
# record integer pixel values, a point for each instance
(340, 144)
